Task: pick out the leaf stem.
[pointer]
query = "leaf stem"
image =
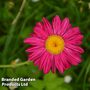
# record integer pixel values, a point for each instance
(11, 32)
(15, 65)
(19, 13)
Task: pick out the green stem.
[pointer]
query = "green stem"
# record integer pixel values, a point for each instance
(11, 32)
(83, 70)
(15, 65)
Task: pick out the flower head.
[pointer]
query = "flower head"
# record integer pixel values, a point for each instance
(55, 46)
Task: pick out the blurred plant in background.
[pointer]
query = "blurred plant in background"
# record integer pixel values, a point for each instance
(16, 24)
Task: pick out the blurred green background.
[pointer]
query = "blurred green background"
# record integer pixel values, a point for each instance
(12, 48)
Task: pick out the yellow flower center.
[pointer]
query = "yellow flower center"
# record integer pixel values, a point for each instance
(54, 44)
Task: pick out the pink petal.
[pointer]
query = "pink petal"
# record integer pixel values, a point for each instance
(43, 58)
(34, 41)
(39, 31)
(58, 64)
(74, 37)
(56, 23)
(69, 26)
(71, 32)
(74, 42)
(37, 61)
(70, 59)
(73, 58)
(36, 54)
(75, 48)
(65, 61)
(64, 26)
(32, 49)
(47, 64)
(47, 26)
(53, 67)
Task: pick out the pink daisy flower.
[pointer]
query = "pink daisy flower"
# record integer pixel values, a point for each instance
(55, 46)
